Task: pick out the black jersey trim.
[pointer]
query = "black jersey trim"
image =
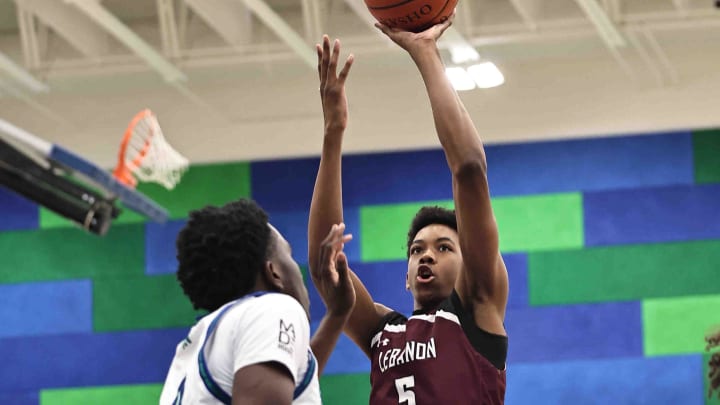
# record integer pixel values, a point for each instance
(391, 318)
(492, 346)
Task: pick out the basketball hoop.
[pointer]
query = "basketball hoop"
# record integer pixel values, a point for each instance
(146, 156)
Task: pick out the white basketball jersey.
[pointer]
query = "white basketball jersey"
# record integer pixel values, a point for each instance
(258, 328)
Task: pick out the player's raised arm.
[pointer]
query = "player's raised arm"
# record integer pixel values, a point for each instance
(326, 207)
(484, 278)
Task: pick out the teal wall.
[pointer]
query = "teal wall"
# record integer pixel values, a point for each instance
(612, 246)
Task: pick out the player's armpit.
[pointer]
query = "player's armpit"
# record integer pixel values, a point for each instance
(268, 383)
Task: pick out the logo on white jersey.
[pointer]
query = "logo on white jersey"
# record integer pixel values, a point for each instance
(286, 337)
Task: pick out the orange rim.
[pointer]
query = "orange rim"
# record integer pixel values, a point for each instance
(121, 172)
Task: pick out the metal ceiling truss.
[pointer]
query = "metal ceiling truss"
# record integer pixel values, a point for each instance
(627, 29)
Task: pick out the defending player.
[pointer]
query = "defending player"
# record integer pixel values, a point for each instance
(254, 346)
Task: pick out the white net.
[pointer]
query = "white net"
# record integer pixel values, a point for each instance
(150, 158)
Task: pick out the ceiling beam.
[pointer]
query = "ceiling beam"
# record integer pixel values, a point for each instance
(108, 21)
(614, 9)
(608, 31)
(31, 102)
(21, 76)
(284, 31)
(527, 11)
(647, 59)
(661, 55)
(229, 18)
(28, 37)
(70, 24)
(312, 20)
(168, 28)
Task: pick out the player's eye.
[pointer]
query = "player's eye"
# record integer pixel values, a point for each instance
(415, 250)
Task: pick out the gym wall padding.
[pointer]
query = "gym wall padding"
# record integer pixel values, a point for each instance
(18, 213)
(612, 247)
(31, 309)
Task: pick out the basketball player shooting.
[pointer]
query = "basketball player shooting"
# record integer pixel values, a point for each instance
(254, 345)
(452, 350)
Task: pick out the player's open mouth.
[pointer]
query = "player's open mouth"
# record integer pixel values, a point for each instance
(425, 275)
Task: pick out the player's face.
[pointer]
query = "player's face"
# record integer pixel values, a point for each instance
(289, 270)
(434, 265)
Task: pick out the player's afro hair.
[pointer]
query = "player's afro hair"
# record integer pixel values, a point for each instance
(429, 216)
(221, 251)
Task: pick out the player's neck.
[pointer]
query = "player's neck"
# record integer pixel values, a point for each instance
(263, 288)
(425, 307)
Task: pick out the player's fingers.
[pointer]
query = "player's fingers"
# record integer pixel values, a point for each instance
(328, 247)
(343, 270)
(335, 234)
(346, 69)
(446, 24)
(384, 28)
(325, 58)
(341, 264)
(332, 67)
(451, 19)
(318, 271)
(334, 242)
(340, 238)
(332, 235)
(318, 49)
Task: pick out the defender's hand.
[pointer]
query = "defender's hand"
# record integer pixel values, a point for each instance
(332, 277)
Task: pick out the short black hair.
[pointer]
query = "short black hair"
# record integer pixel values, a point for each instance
(221, 251)
(428, 216)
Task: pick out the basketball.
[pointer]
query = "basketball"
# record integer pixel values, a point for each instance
(411, 15)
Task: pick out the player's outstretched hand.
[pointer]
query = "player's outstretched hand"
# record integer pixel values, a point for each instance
(332, 277)
(332, 85)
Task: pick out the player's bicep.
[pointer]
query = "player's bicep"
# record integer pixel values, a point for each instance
(269, 383)
(365, 317)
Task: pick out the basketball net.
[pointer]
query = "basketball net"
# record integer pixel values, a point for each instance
(146, 156)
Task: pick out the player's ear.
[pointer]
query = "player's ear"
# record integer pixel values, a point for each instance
(407, 280)
(272, 277)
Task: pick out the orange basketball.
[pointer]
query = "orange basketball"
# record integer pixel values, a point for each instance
(411, 15)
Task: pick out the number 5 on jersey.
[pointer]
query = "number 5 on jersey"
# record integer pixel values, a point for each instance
(404, 388)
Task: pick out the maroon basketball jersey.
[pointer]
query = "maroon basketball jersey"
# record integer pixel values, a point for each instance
(440, 357)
